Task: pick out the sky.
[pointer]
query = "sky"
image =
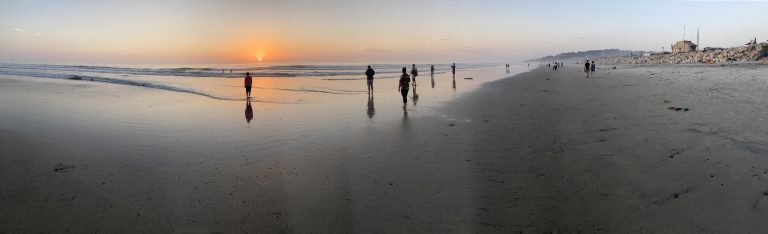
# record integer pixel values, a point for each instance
(359, 31)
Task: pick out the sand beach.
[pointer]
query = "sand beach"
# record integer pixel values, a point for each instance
(541, 151)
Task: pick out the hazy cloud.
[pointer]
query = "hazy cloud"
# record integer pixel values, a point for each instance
(18, 29)
(378, 51)
(469, 49)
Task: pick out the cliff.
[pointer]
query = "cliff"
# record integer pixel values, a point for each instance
(581, 55)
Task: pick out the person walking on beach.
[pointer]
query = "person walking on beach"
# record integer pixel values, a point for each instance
(592, 69)
(587, 68)
(414, 74)
(248, 81)
(369, 78)
(432, 70)
(403, 86)
(453, 69)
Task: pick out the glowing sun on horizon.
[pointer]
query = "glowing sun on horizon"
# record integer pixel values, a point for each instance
(259, 59)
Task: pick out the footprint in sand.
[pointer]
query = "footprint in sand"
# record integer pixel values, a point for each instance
(61, 168)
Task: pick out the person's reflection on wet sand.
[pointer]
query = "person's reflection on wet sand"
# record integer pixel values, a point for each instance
(415, 96)
(433, 81)
(371, 110)
(404, 124)
(248, 111)
(454, 84)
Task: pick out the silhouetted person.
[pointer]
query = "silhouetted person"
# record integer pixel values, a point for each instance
(432, 70)
(414, 74)
(369, 75)
(403, 86)
(592, 70)
(587, 68)
(453, 70)
(248, 82)
(248, 111)
(371, 110)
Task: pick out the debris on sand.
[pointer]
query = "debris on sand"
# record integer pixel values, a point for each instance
(75, 78)
(666, 100)
(61, 168)
(678, 108)
(675, 153)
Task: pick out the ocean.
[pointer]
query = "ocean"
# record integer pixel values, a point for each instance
(278, 83)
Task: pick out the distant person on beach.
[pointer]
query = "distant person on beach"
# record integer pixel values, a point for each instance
(592, 69)
(453, 69)
(587, 68)
(369, 75)
(432, 70)
(248, 82)
(414, 74)
(403, 86)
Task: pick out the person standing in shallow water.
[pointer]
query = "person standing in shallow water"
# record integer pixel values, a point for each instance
(414, 74)
(587, 68)
(453, 70)
(432, 70)
(248, 82)
(403, 86)
(369, 75)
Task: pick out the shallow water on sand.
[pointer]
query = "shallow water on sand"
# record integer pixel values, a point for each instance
(140, 158)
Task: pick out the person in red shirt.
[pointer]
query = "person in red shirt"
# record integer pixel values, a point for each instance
(248, 82)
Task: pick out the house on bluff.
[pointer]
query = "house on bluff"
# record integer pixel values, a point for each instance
(684, 47)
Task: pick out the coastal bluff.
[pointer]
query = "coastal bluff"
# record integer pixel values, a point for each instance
(750, 53)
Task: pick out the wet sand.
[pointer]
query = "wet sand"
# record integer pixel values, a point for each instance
(561, 153)
(538, 152)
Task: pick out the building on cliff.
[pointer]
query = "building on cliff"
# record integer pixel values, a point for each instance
(684, 47)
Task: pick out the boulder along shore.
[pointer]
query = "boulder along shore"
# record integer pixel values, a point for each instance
(751, 53)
